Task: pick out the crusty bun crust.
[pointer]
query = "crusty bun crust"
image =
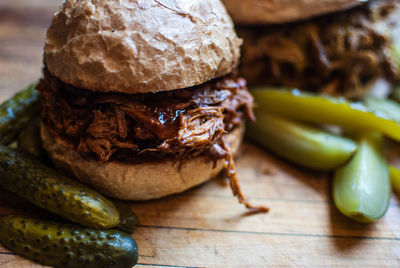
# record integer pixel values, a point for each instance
(136, 181)
(281, 11)
(140, 46)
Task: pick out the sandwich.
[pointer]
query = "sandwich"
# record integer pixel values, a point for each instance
(141, 99)
(338, 47)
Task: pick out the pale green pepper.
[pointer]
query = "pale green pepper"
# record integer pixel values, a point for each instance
(304, 145)
(361, 188)
(317, 109)
(388, 108)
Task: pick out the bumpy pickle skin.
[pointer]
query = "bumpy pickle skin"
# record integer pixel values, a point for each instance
(361, 188)
(29, 178)
(17, 112)
(301, 144)
(62, 245)
(20, 206)
(311, 108)
(395, 178)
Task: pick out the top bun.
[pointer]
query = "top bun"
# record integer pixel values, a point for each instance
(281, 11)
(137, 46)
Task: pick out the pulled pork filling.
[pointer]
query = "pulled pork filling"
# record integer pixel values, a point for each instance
(338, 54)
(141, 127)
(177, 123)
(133, 127)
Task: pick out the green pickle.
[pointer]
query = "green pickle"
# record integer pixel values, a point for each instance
(361, 188)
(29, 178)
(128, 219)
(21, 206)
(62, 245)
(304, 145)
(395, 178)
(17, 112)
(318, 109)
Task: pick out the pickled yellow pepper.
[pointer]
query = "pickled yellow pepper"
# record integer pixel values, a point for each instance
(304, 145)
(361, 188)
(395, 178)
(312, 108)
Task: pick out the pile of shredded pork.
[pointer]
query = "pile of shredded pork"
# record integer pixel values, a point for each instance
(339, 54)
(152, 126)
(175, 123)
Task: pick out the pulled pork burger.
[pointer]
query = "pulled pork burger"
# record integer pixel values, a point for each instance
(140, 98)
(337, 47)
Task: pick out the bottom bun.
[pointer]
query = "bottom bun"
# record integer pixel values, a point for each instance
(136, 181)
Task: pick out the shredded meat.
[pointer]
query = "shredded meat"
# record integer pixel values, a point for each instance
(178, 123)
(338, 54)
(234, 182)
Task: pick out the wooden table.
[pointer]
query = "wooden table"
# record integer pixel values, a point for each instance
(205, 226)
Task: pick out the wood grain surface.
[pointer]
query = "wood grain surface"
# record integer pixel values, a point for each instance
(205, 226)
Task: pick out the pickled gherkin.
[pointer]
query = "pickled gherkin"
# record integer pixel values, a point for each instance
(304, 145)
(361, 188)
(26, 176)
(128, 219)
(317, 109)
(62, 245)
(127, 223)
(17, 112)
(22, 206)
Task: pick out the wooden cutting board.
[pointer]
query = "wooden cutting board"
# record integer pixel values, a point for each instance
(206, 227)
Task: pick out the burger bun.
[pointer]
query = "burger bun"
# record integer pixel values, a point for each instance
(140, 46)
(142, 181)
(282, 11)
